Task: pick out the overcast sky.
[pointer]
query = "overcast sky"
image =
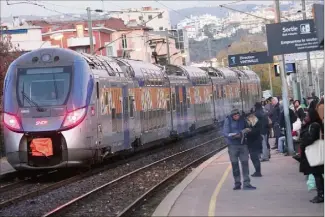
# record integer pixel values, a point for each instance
(80, 6)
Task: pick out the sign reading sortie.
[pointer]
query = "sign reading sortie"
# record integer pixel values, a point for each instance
(291, 37)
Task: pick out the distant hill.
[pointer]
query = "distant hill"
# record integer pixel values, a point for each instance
(176, 17)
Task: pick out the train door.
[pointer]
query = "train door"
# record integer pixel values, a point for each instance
(125, 117)
(100, 104)
(178, 114)
(184, 108)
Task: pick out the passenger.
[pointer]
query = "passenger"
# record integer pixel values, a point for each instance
(292, 104)
(254, 142)
(310, 132)
(320, 109)
(262, 117)
(275, 117)
(233, 129)
(283, 133)
(298, 110)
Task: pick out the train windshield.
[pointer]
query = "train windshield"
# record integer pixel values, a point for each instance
(43, 86)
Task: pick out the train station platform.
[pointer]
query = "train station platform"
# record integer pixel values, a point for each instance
(5, 167)
(208, 191)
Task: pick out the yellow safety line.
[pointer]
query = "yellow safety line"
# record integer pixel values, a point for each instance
(213, 200)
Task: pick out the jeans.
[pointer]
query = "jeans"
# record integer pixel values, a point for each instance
(281, 143)
(265, 150)
(239, 152)
(255, 160)
(277, 132)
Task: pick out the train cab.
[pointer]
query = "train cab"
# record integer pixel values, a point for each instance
(46, 101)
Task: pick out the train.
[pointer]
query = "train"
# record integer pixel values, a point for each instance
(65, 109)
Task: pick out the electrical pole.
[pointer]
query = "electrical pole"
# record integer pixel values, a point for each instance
(90, 31)
(310, 75)
(167, 42)
(284, 89)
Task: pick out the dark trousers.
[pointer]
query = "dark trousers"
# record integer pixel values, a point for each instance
(255, 160)
(239, 152)
(319, 184)
(267, 139)
(277, 132)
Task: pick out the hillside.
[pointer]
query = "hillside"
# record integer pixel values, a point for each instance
(199, 49)
(177, 16)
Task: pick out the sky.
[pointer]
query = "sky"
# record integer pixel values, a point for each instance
(80, 6)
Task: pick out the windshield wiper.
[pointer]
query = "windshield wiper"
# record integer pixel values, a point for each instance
(30, 101)
(55, 87)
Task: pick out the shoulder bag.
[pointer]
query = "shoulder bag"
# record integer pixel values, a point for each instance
(315, 151)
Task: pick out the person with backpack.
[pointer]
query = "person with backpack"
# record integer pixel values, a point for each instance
(233, 131)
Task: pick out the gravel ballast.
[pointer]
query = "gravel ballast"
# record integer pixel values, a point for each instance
(44, 203)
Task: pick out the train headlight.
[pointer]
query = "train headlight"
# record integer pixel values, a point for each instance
(11, 122)
(72, 119)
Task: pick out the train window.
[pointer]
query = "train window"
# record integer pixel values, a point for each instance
(131, 106)
(46, 86)
(188, 102)
(168, 105)
(113, 113)
(173, 101)
(105, 98)
(181, 107)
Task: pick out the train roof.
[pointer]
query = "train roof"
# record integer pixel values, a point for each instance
(52, 56)
(142, 70)
(228, 73)
(251, 74)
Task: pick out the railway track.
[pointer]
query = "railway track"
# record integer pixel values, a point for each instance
(27, 189)
(111, 199)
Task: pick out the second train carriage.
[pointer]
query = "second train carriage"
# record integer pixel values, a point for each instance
(86, 107)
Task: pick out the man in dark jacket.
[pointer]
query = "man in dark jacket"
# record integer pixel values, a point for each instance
(233, 130)
(263, 119)
(275, 117)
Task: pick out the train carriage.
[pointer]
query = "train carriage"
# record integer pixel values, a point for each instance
(65, 109)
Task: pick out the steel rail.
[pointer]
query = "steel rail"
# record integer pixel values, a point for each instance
(83, 196)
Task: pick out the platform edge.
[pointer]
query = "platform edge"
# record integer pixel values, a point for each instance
(168, 202)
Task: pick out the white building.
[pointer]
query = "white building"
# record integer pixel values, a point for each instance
(23, 36)
(156, 18)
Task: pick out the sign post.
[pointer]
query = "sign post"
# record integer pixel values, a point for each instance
(247, 59)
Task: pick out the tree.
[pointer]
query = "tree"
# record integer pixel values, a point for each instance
(253, 43)
(8, 53)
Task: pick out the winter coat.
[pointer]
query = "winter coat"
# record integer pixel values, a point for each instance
(293, 118)
(275, 114)
(262, 117)
(307, 138)
(300, 113)
(232, 126)
(254, 138)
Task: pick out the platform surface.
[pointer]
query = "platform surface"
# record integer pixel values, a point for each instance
(207, 191)
(5, 167)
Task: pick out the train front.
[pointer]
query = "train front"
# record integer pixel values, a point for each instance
(47, 94)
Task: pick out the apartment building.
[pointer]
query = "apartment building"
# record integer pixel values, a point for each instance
(155, 18)
(23, 36)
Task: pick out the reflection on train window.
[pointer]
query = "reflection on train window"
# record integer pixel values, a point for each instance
(131, 102)
(106, 98)
(45, 86)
